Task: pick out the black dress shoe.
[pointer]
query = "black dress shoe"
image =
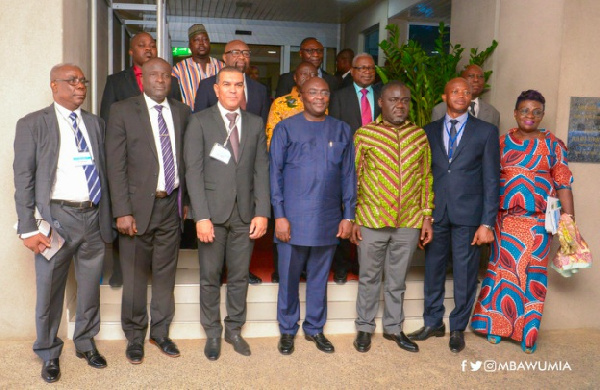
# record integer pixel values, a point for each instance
(402, 341)
(135, 352)
(116, 280)
(322, 343)
(253, 279)
(93, 357)
(166, 346)
(286, 344)
(212, 349)
(51, 370)
(275, 277)
(340, 276)
(362, 343)
(457, 341)
(239, 344)
(428, 331)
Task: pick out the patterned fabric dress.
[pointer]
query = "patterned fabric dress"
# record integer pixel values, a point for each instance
(512, 295)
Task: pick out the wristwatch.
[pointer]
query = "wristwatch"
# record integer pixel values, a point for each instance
(488, 227)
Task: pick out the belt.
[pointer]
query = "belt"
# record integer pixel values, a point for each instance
(161, 194)
(87, 204)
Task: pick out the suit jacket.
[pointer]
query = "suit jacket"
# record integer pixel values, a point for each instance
(37, 144)
(313, 179)
(487, 112)
(344, 105)
(123, 85)
(467, 188)
(286, 83)
(132, 157)
(213, 186)
(258, 102)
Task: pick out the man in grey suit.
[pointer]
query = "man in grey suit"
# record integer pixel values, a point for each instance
(478, 108)
(59, 172)
(145, 172)
(227, 168)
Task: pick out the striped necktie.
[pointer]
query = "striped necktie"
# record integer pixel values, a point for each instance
(91, 173)
(167, 151)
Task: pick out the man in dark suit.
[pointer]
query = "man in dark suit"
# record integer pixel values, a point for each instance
(343, 66)
(227, 168)
(477, 108)
(311, 50)
(145, 173)
(313, 192)
(357, 106)
(254, 100)
(60, 178)
(123, 85)
(465, 156)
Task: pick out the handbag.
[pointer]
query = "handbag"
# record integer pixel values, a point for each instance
(574, 253)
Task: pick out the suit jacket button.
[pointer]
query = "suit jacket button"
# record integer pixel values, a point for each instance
(56, 224)
(448, 170)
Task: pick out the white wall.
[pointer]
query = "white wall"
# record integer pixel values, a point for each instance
(29, 55)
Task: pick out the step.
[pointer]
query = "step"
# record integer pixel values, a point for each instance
(262, 307)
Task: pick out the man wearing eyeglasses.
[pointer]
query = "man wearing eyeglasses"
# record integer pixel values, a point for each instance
(477, 108)
(61, 192)
(313, 194)
(465, 162)
(357, 106)
(311, 50)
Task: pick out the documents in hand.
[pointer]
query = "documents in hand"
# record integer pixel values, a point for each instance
(552, 214)
(56, 240)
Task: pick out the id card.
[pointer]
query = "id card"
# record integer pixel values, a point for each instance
(83, 159)
(221, 153)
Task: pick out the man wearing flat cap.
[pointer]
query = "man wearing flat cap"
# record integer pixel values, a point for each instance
(198, 67)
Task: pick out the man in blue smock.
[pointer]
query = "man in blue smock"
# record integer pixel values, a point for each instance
(313, 193)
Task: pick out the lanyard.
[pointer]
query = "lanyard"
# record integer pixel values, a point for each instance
(452, 140)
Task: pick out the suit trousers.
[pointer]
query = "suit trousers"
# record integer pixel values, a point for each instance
(386, 251)
(151, 255)
(83, 244)
(451, 241)
(292, 261)
(232, 245)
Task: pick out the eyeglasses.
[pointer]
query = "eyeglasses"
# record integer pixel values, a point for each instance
(365, 68)
(457, 92)
(538, 113)
(315, 93)
(310, 52)
(74, 81)
(237, 53)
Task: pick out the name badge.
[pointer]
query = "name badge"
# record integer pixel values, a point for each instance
(220, 152)
(83, 159)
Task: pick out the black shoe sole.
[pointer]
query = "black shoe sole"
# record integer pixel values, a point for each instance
(52, 380)
(161, 350)
(82, 356)
(361, 349)
(317, 344)
(286, 352)
(135, 361)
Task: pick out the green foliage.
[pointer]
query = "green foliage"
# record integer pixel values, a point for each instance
(425, 75)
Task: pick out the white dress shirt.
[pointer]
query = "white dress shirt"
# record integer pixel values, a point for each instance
(168, 116)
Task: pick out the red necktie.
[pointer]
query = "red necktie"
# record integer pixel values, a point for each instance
(365, 108)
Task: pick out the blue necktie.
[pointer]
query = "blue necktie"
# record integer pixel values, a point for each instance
(167, 151)
(452, 138)
(91, 173)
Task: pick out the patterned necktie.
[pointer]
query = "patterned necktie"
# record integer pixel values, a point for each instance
(472, 108)
(234, 137)
(167, 151)
(91, 173)
(451, 139)
(365, 108)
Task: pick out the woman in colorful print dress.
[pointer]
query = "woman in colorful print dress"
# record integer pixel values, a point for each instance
(533, 167)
